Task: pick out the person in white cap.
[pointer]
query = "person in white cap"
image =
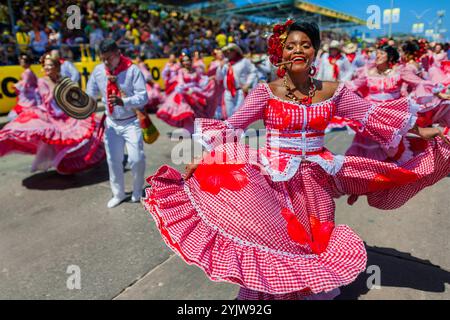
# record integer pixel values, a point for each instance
(238, 75)
(122, 86)
(334, 66)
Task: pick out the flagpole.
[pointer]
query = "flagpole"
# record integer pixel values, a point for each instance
(390, 19)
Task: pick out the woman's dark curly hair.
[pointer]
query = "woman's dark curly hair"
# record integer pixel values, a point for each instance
(26, 58)
(311, 29)
(410, 47)
(393, 55)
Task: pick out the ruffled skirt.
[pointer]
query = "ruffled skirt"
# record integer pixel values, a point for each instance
(67, 144)
(229, 222)
(180, 109)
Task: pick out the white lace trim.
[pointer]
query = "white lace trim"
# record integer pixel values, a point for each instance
(285, 175)
(330, 166)
(329, 100)
(368, 113)
(298, 143)
(406, 126)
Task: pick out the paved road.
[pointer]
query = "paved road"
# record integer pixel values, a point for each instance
(50, 222)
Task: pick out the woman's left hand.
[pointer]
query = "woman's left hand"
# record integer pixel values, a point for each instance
(444, 96)
(431, 133)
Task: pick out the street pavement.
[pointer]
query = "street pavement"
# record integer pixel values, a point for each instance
(52, 224)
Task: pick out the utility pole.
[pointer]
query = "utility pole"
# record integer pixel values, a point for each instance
(440, 15)
(13, 23)
(390, 19)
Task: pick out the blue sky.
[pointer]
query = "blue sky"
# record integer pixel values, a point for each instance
(407, 18)
(426, 8)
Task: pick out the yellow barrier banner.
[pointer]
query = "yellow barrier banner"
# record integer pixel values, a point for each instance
(9, 75)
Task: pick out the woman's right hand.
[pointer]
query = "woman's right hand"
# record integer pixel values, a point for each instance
(443, 96)
(190, 169)
(431, 133)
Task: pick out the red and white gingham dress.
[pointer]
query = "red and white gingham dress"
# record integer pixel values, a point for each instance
(193, 96)
(388, 88)
(236, 233)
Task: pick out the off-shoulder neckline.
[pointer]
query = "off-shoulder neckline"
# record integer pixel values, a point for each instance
(273, 96)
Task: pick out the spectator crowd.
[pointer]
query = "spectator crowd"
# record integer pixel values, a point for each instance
(148, 30)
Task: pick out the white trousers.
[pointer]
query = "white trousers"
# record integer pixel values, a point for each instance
(118, 136)
(233, 103)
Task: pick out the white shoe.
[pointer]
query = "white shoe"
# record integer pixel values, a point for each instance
(114, 202)
(135, 199)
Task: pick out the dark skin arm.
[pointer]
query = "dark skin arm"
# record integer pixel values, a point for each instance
(325, 90)
(115, 100)
(191, 167)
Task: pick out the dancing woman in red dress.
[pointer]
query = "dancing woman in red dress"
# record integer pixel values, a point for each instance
(67, 144)
(383, 83)
(265, 219)
(192, 97)
(25, 89)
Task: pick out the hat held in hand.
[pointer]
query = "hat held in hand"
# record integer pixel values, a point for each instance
(73, 101)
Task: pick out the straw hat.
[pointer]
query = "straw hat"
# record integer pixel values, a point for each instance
(334, 44)
(350, 48)
(72, 100)
(257, 59)
(234, 47)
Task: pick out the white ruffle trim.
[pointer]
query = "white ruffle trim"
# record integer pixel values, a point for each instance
(202, 137)
(407, 125)
(330, 166)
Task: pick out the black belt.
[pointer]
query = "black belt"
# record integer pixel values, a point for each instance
(124, 118)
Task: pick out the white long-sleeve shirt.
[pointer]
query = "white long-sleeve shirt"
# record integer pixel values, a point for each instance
(68, 70)
(130, 81)
(326, 69)
(245, 73)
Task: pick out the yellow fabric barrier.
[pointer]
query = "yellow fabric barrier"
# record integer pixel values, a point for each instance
(9, 75)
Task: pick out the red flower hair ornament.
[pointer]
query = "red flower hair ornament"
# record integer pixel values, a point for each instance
(382, 42)
(276, 44)
(423, 43)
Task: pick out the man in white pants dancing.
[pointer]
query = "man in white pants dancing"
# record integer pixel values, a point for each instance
(123, 90)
